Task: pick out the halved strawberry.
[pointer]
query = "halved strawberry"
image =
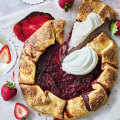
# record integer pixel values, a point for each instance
(20, 111)
(5, 56)
(26, 27)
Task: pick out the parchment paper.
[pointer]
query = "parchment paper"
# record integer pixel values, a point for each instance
(110, 111)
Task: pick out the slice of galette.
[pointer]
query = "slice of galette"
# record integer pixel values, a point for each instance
(91, 15)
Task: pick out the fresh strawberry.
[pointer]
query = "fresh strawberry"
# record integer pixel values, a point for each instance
(8, 91)
(115, 27)
(66, 4)
(20, 111)
(5, 56)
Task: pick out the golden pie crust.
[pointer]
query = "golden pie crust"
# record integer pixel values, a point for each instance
(87, 6)
(46, 102)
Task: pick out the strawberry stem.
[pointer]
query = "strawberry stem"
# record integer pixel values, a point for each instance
(10, 85)
(67, 6)
(66, 9)
(70, 5)
(114, 27)
(24, 118)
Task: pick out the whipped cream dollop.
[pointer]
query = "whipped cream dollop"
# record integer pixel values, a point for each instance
(81, 30)
(80, 62)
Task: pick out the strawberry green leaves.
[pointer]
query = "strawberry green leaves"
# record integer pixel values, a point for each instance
(10, 85)
(24, 118)
(114, 27)
(67, 6)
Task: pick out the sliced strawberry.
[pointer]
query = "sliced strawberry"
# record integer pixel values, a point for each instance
(5, 56)
(20, 111)
(26, 27)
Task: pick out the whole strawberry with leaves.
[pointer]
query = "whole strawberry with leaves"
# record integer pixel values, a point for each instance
(66, 4)
(115, 27)
(8, 91)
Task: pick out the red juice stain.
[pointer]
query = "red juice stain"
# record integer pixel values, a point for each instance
(13, 76)
(17, 56)
(65, 45)
(58, 119)
(26, 27)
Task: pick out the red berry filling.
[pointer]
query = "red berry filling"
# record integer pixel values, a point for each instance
(58, 119)
(50, 76)
(86, 100)
(26, 27)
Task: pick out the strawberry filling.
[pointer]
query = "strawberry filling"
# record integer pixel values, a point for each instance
(50, 76)
(26, 27)
(86, 100)
(58, 119)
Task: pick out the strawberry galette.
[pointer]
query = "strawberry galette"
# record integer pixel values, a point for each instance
(81, 84)
(45, 85)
